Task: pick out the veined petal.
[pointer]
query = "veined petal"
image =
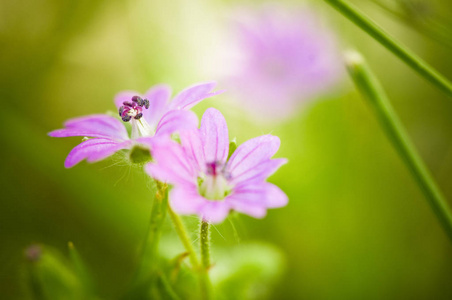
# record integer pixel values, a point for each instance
(171, 163)
(254, 199)
(258, 173)
(192, 144)
(99, 126)
(214, 134)
(158, 97)
(94, 150)
(176, 120)
(185, 200)
(252, 153)
(254, 210)
(192, 95)
(124, 96)
(214, 211)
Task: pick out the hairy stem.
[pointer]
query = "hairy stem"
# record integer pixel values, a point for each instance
(158, 215)
(204, 238)
(182, 233)
(152, 237)
(369, 86)
(205, 285)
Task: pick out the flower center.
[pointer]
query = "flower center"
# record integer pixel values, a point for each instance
(214, 184)
(133, 111)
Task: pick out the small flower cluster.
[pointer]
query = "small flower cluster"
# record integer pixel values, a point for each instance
(206, 181)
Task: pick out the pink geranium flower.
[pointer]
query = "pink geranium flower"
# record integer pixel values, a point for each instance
(206, 183)
(285, 57)
(151, 115)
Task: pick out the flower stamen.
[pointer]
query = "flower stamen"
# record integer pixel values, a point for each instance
(133, 109)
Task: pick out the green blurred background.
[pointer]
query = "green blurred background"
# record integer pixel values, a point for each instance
(356, 227)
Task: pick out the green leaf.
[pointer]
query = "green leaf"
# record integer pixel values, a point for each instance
(249, 271)
(50, 275)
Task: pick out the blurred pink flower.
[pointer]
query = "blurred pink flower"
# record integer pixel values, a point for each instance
(284, 58)
(151, 115)
(206, 183)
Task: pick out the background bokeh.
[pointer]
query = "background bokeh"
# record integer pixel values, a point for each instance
(356, 227)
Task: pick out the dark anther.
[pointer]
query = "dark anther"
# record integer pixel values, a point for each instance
(121, 110)
(137, 100)
(146, 103)
(126, 118)
(138, 116)
(127, 103)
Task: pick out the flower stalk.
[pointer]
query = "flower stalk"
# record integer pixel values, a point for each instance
(158, 215)
(204, 238)
(369, 86)
(379, 34)
(153, 233)
(182, 233)
(204, 280)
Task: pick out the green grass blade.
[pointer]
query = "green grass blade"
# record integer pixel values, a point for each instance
(369, 86)
(379, 34)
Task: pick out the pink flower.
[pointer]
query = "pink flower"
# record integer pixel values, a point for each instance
(206, 183)
(286, 57)
(151, 115)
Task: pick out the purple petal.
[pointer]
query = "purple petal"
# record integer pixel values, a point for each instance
(249, 200)
(275, 197)
(186, 200)
(194, 94)
(158, 97)
(147, 141)
(176, 120)
(214, 133)
(258, 173)
(191, 142)
(254, 210)
(252, 153)
(214, 211)
(171, 163)
(94, 150)
(125, 96)
(254, 199)
(99, 126)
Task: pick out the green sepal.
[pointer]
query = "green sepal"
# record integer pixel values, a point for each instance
(232, 147)
(140, 154)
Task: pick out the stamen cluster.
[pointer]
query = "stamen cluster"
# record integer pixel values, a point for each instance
(133, 109)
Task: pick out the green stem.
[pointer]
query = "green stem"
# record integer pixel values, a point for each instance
(153, 233)
(182, 233)
(369, 86)
(158, 214)
(202, 269)
(204, 238)
(406, 55)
